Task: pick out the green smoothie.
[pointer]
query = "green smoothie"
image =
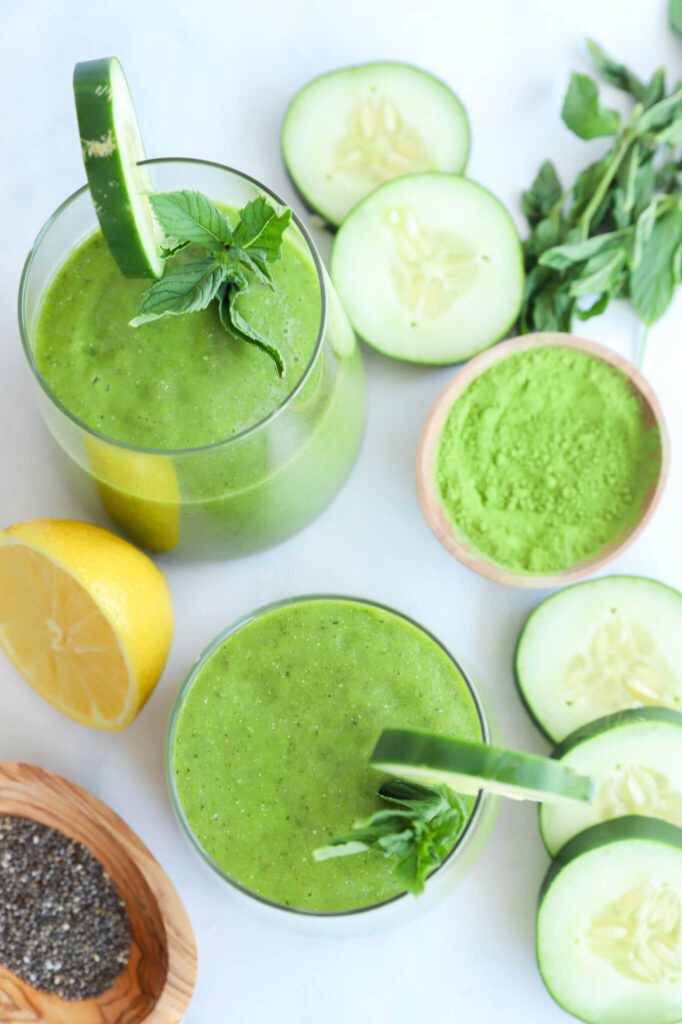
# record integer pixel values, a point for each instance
(179, 382)
(251, 457)
(270, 743)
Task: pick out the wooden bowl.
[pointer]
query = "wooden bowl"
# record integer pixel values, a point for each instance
(429, 495)
(157, 984)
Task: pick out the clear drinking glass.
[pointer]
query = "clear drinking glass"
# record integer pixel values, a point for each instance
(235, 496)
(379, 915)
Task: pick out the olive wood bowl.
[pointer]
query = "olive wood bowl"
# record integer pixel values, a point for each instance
(157, 984)
(429, 495)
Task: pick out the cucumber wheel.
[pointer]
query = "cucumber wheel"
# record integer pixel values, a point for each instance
(608, 924)
(112, 147)
(469, 767)
(429, 268)
(353, 129)
(600, 647)
(635, 758)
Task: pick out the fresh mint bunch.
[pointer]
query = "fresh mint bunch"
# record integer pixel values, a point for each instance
(418, 831)
(235, 257)
(617, 231)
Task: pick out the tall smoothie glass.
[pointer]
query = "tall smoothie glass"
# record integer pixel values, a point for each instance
(236, 495)
(268, 746)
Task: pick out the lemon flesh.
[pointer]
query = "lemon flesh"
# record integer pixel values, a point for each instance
(85, 617)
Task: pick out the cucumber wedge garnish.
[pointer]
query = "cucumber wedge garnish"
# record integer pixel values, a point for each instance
(469, 767)
(112, 146)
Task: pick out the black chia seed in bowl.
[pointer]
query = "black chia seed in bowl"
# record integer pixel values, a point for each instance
(63, 926)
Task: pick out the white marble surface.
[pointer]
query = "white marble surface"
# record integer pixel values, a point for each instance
(212, 79)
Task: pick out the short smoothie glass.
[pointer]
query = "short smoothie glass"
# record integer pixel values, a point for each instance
(284, 456)
(268, 747)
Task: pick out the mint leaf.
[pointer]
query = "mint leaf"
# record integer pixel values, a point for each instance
(252, 260)
(583, 113)
(172, 247)
(595, 309)
(418, 832)
(675, 15)
(545, 191)
(261, 227)
(672, 134)
(185, 290)
(191, 217)
(601, 273)
(643, 228)
(616, 74)
(653, 282)
(660, 114)
(563, 256)
(655, 90)
(235, 324)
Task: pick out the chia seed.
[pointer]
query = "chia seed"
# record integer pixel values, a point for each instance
(63, 926)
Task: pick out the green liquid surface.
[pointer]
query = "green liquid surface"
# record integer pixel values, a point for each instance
(179, 382)
(271, 744)
(545, 458)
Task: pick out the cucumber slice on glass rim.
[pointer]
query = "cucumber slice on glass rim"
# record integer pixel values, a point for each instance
(429, 268)
(112, 147)
(350, 130)
(635, 758)
(468, 767)
(599, 647)
(609, 920)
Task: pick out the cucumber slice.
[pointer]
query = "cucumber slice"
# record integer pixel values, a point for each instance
(350, 130)
(600, 647)
(608, 925)
(635, 758)
(469, 767)
(429, 268)
(112, 146)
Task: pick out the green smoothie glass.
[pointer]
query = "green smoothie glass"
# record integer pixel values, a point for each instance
(268, 747)
(242, 492)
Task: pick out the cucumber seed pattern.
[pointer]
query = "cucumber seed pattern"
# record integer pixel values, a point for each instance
(638, 789)
(432, 266)
(379, 145)
(621, 668)
(639, 934)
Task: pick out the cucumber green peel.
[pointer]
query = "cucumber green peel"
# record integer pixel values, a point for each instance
(613, 721)
(633, 826)
(468, 767)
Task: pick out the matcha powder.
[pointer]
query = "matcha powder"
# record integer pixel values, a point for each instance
(545, 458)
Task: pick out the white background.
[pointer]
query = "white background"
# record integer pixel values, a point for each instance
(212, 78)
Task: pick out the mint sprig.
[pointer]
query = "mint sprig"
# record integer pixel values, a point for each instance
(617, 231)
(236, 256)
(418, 831)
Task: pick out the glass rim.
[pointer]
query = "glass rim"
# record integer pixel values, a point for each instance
(197, 449)
(476, 811)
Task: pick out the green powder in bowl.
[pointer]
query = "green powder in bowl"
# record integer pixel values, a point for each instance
(545, 459)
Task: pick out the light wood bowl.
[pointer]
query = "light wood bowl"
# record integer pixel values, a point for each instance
(157, 984)
(429, 495)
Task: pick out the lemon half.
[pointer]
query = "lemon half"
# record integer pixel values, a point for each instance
(85, 617)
